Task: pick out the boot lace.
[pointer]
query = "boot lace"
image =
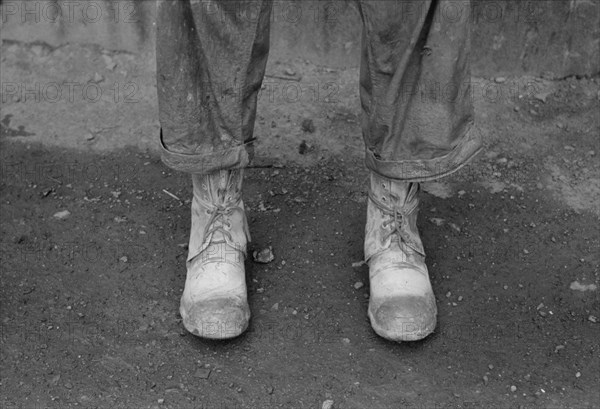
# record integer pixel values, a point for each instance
(219, 221)
(397, 218)
(220, 209)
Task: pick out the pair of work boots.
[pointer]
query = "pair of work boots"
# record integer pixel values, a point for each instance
(215, 303)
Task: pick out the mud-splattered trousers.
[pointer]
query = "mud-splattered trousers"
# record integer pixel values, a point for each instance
(417, 114)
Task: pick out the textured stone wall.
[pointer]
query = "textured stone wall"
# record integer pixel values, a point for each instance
(552, 37)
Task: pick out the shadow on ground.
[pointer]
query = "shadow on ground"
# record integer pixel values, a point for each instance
(89, 302)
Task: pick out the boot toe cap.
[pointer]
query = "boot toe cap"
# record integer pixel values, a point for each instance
(220, 318)
(404, 318)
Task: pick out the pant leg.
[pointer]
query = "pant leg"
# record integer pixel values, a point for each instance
(211, 58)
(417, 118)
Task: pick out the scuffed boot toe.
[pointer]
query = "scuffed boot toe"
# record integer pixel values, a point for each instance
(214, 303)
(220, 318)
(404, 318)
(402, 303)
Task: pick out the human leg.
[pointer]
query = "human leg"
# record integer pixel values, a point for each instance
(417, 125)
(211, 58)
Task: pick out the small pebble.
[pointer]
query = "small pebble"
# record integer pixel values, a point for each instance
(358, 285)
(437, 221)
(592, 318)
(455, 227)
(308, 126)
(203, 373)
(264, 256)
(346, 341)
(302, 148)
(63, 214)
(578, 375)
(513, 388)
(110, 64)
(500, 80)
(98, 78)
(328, 404)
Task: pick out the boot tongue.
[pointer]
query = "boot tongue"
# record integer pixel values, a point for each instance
(398, 201)
(224, 196)
(407, 207)
(218, 212)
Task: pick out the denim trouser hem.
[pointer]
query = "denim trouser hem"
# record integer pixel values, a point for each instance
(236, 157)
(423, 170)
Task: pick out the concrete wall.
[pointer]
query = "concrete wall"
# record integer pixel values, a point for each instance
(511, 37)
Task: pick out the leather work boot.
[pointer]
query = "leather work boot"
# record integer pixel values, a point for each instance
(214, 303)
(402, 305)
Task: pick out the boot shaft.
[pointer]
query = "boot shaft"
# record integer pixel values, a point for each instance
(218, 213)
(219, 188)
(392, 216)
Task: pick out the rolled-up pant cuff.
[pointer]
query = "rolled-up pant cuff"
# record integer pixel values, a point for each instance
(236, 157)
(423, 170)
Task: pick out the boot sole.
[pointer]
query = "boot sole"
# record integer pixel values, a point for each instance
(215, 328)
(404, 335)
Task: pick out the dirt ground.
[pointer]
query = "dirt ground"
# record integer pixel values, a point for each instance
(89, 298)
